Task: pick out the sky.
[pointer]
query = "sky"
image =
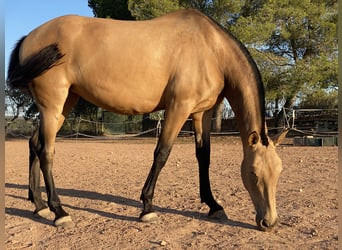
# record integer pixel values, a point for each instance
(22, 16)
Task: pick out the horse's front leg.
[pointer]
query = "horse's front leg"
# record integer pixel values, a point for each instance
(202, 124)
(161, 155)
(174, 121)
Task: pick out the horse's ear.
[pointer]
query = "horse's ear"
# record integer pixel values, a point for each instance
(278, 138)
(253, 138)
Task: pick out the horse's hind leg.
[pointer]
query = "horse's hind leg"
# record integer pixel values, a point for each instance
(34, 176)
(174, 121)
(48, 130)
(41, 154)
(202, 124)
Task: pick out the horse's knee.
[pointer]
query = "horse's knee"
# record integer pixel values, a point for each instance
(160, 158)
(161, 155)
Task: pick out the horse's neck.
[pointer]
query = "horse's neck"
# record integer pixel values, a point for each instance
(244, 90)
(246, 100)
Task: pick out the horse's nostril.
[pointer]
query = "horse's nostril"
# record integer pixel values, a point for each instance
(264, 223)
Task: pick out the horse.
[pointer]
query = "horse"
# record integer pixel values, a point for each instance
(183, 62)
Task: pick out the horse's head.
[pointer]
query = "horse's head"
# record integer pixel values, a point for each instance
(260, 171)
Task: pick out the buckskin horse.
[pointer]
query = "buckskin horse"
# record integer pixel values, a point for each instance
(183, 62)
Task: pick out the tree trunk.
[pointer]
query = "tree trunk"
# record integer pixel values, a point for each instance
(279, 118)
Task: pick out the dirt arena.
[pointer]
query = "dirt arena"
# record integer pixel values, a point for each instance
(99, 183)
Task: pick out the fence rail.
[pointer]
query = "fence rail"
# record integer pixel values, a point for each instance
(302, 122)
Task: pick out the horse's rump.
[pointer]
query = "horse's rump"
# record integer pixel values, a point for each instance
(20, 74)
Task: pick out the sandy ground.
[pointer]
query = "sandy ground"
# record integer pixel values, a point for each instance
(99, 183)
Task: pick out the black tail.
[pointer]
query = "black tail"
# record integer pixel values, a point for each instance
(20, 75)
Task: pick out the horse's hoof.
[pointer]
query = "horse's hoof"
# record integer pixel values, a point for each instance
(65, 221)
(149, 218)
(44, 213)
(218, 215)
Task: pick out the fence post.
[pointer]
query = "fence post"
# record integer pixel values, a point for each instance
(158, 128)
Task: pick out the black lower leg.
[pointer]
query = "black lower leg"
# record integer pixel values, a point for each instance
(34, 194)
(53, 199)
(148, 192)
(203, 157)
(160, 157)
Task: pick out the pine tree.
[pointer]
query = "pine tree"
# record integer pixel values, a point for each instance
(295, 45)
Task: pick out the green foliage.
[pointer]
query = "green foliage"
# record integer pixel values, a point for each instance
(143, 10)
(116, 9)
(320, 99)
(294, 43)
(218, 9)
(18, 102)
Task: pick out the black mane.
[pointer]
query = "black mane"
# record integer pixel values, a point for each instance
(257, 75)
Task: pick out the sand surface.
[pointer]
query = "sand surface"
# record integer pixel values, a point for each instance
(99, 183)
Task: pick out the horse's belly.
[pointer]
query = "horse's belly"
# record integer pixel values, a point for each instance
(122, 100)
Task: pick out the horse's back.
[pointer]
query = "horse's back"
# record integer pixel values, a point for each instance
(66, 28)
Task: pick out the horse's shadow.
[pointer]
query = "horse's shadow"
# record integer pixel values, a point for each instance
(117, 200)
